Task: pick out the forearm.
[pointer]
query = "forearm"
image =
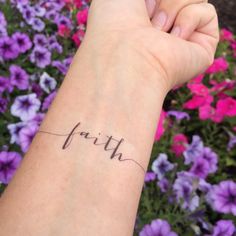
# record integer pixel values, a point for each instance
(81, 184)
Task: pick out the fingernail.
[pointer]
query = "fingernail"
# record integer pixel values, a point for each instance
(150, 6)
(176, 31)
(160, 19)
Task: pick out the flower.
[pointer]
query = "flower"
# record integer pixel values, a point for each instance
(5, 84)
(160, 128)
(157, 228)
(227, 106)
(78, 37)
(194, 150)
(226, 35)
(197, 101)
(212, 159)
(40, 40)
(3, 104)
(41, 57)
(25, 106)
(8, 48)
(232, 143)
(224, 228)
(200, 168)
(179, 115)
(220, 65)
(223, 197)
(149, 176)
(47, 83)
(3, 21)
(14, 130)
(19, 77)
(184, 188)
(82, 16)
(9, 162)
(163, 184)
(161, 166)
(37, 24)
(48, 100)
(27, 134)
(23, 41)
(179, 144)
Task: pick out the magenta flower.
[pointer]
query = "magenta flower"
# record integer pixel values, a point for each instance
(220, 65)
(25, 106)
(41, 57)
(19, 77)
(157, 228)
(227, 106)
(26, 135)
(224, 228)
(179, 144)
(8, 48)
(9, 162)
(223, 197)
(23, 41)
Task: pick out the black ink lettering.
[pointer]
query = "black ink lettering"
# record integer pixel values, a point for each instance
(107, 145)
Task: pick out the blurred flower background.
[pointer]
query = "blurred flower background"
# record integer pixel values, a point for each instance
(190, 186)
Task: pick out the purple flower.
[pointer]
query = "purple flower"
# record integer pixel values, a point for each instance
(194, 150)
(8, 48)
(63, 20)
(25, 106)
(232, 143)
(56, 47)
(3, 104)
(27, 134)
(212, 159)
(37, 24)
(28, 13)
(3, 31)
(5, 85)
(200, 168)
(37, 89)
(149, 176)
(9, 162)
(163, 184)
(161, 166)
(185, 187)
(14, 130)
(223, 197)
(41, 57)
(47, 83)
(179, 115)
(40, 40)
(3, 21)
(23, 41)
(224, 228)
(19, 77)
(48, 100)
(51, 15)
(157, 228)
(39, 11)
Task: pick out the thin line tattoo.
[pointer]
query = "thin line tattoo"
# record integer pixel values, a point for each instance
(106, 145)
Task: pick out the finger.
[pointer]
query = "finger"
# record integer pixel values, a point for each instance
(167, 10)
(198, 23)
(151, 6)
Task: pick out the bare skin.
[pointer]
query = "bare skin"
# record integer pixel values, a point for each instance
(72, 180)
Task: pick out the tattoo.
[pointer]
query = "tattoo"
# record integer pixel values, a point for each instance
(111, 145)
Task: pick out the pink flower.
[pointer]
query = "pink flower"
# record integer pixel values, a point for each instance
(198, 89)
(78, 37)
(82, 16)
(209, 112)
(160, 129)
(227, 106)
(198, 101)
(179, 144)
(226, 35)
(63, 31)
(219, 65)
(222, 86)
(197, 79)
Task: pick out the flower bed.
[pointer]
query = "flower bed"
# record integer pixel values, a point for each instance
(190, 186)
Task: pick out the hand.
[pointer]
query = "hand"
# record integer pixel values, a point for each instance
(177, 38)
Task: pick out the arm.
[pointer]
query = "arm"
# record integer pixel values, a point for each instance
(84, 172)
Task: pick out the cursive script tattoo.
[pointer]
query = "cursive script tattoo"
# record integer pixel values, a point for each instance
(111, 145)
